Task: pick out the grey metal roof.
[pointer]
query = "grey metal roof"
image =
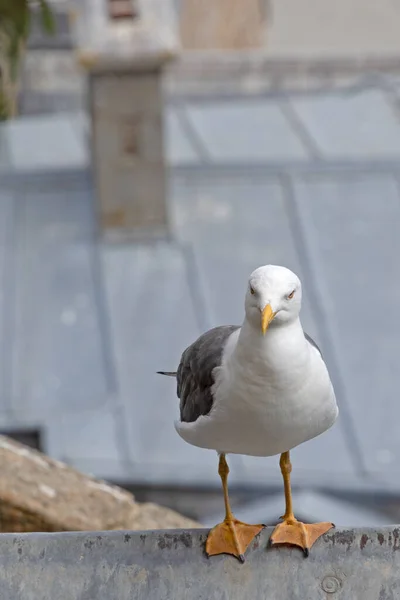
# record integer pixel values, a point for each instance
(309, 181)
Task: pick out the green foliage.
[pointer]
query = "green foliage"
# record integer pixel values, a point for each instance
(47, 19)
(4, 106)
(15, 26)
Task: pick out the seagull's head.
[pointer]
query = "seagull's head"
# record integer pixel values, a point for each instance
(273, 297)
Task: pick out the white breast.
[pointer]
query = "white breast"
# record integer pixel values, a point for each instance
(268, 403)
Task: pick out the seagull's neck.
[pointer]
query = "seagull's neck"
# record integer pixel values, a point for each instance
(283, 346)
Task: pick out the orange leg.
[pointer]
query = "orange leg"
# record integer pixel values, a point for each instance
(292, 531)
(231, 536)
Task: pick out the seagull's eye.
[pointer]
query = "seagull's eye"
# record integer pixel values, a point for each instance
(290, 296)
(252, 291)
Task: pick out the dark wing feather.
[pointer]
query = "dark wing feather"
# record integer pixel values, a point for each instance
(311, 341)
(195, 372)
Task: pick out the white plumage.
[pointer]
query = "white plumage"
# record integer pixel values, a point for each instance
(260, 389)
(271, 392)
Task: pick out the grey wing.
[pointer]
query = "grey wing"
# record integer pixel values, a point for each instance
(195, 372)
(311, 341)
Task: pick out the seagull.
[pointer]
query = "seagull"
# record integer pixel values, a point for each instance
(259, 390)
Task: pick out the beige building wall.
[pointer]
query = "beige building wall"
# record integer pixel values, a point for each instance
(340, 27)
(293, 27)
(222, 24)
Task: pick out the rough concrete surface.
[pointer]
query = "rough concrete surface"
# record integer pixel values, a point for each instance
(158, 565)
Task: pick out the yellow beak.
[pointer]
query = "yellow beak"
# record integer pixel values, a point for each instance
(266, 317)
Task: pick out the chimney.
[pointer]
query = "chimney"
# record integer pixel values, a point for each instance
(125, 45)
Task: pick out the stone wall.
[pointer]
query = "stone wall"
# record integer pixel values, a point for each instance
(41, 494)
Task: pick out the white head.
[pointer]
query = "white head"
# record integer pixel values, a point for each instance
(273, 297)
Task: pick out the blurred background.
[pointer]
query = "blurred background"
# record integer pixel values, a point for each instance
(152, 154)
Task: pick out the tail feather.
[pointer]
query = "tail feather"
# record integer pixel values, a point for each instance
(167, 373)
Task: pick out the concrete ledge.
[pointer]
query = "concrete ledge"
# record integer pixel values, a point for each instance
(346, 564)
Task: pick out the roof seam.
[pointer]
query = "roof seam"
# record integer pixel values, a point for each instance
(298, 233)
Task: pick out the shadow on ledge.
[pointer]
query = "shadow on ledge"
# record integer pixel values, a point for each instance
(171, 565)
